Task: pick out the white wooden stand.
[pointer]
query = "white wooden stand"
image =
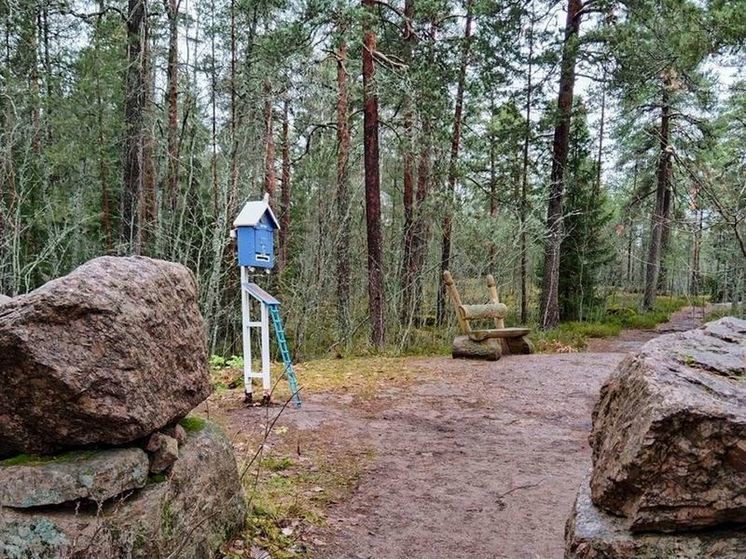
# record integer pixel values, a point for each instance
(263, 325)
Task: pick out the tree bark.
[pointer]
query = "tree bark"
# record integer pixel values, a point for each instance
(343, 191)
(549, 308)
(464, 348)
(233, 197)
(270, 180)
(372, 184)
(36, 104)
(493, 188)
(104, 174)
(421, 224)
(696, 277)
(285, 186)
(599, 155)
(406, 311)
(665, 235)
(148, 202)
(523, 213)
(214, 122)
(659, 216)
(445, 259)
(172, 100)
(134, 103)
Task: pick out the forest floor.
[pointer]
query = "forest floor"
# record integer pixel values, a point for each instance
(432, 458)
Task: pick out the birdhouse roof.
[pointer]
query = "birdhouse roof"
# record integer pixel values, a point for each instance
(253, 211)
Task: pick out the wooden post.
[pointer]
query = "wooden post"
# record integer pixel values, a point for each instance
(492, 287)
(456, 300)
(499, 322)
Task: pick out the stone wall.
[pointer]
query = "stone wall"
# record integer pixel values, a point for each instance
(99, 369)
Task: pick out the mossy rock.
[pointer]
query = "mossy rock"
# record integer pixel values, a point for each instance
(30, 481)
(190, 513)
(193, 423)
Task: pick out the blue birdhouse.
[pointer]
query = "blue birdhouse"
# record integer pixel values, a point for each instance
(255, 230)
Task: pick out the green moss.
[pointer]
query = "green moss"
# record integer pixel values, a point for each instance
(689, 360)
(193, 424)
(156, 478)
(37, 460)
(167, 521)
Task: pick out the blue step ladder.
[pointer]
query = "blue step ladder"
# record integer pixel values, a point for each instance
(282, 344)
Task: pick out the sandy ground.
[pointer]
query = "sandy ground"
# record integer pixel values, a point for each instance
(479, 460)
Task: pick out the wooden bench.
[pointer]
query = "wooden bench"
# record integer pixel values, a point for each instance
(492, 343)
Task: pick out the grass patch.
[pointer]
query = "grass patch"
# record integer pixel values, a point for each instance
(717, 314)
(193, 423)
(288, 494)
(739, 311)
(363, 377)
(569, 337)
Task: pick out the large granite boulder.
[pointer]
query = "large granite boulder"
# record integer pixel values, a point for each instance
(669, 432)
(106, 355)
(592, 534)
(187, 515)
(92, 475)
(4, 299)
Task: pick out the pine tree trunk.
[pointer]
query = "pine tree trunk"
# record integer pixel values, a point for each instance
(233, 196)
(523, 213)
(270, 180)
(285, 186)
(172, 99)
(421, 224)
(103, 169)
(148, 202)
(134, 103)
(406, 311)
(657, 222)
(696, 278)
(665, 236)
(48, 78)
(214, 123)
(549, 309)
(36, 108)
(629, 256)
(492, 199)
(445, 259)
(630, 225)
(599, 156)
(372, 185)
(343, 192)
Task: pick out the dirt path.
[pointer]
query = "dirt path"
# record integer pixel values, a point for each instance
(478, 460)
(630, 340)
(482, 462)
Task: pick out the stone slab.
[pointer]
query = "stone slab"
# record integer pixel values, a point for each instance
(593, 534)
(93, 475)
